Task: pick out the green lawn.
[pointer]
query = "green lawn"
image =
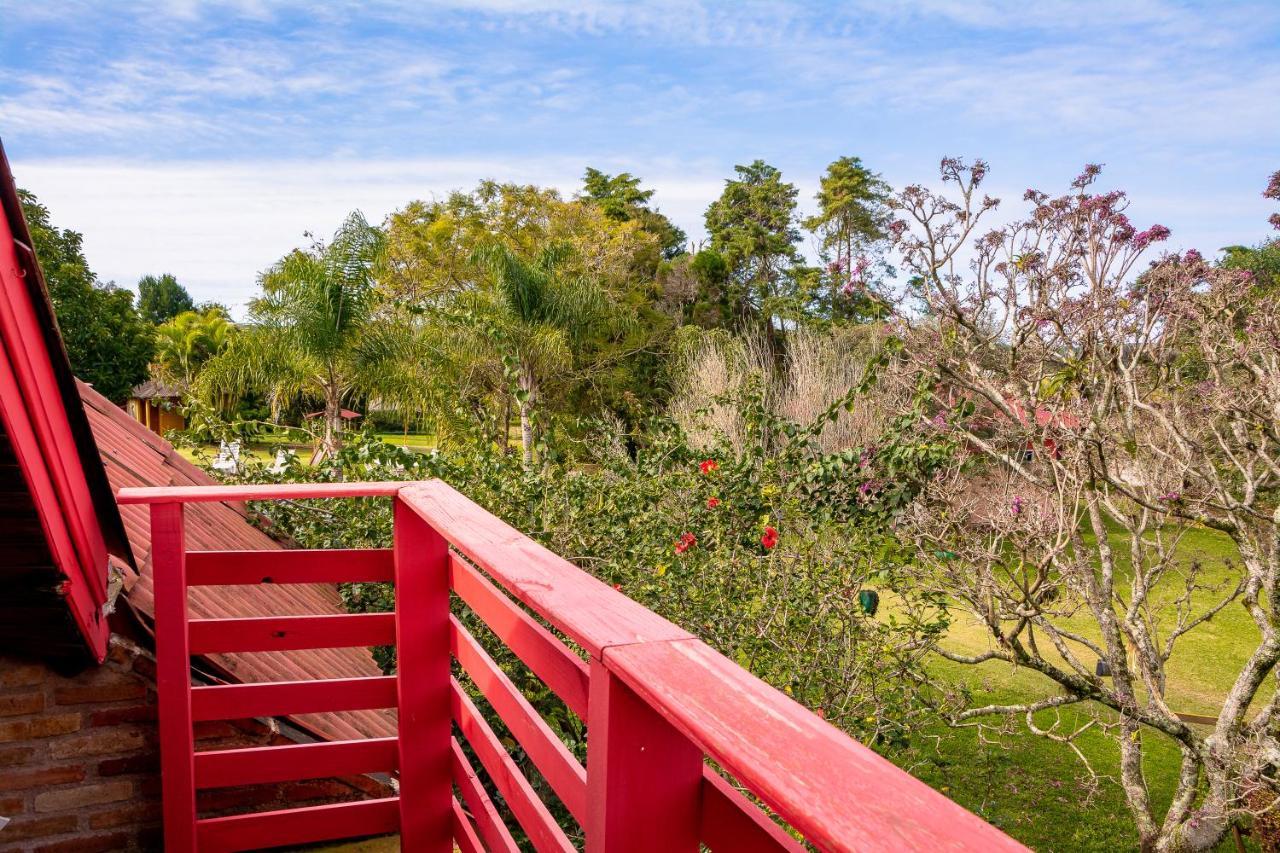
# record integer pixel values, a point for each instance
(1039, 791)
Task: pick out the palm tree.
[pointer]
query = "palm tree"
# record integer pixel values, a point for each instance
(186, 342)
(318, 331)
(533, 315)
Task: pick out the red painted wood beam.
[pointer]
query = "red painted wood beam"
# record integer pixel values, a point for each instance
(297, 826)
(287, 633)
(279, 491)
(284, 698)
(339, 565)
(423, 683)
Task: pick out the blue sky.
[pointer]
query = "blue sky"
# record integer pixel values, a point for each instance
(205, 138)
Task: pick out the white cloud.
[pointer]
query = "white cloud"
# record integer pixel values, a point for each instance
(216, 225)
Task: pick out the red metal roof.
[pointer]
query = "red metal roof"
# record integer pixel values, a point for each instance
(136, 457)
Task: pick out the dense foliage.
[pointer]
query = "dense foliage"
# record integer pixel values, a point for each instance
(108, 343)
(161, 298)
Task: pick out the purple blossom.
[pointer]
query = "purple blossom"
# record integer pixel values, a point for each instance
(1154, 234)
(1274, 219)
(1170, 497)
(1192, 257)
(1091, 171)
(1015, 506)
(1273, 187)
(898, 227)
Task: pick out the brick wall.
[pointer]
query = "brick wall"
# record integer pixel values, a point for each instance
(79, 768)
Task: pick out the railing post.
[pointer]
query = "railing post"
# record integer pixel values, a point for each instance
(173, 676)
(644, 778)
(422, 683)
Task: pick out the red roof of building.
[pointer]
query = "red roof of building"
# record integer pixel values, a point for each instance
(135, 456)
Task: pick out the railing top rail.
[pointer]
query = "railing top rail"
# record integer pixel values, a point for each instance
(838, 792)
(283, 491)
(587, 610)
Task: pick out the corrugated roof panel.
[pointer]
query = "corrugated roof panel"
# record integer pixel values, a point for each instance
(135, 456)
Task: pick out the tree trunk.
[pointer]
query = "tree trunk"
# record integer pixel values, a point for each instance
(529, 387)
(331, 443)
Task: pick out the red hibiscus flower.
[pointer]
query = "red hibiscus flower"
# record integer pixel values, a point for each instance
(708, 465)
(686, 541)
(712, 503)
(769, 539)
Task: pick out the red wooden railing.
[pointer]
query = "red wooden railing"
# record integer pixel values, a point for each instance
(657, 703)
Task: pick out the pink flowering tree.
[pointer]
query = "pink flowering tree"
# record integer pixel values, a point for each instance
(1106, 406)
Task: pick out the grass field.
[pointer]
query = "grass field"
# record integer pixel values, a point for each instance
(1039, 791)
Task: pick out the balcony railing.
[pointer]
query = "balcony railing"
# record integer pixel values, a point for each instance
(657, 703)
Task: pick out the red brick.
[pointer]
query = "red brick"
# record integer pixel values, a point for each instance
(25, 826)
(134, 813)
(129, 714)
(20, 674)
(83, 795)
(25, 779)
(104, 741)
(53, 724)
(22, 703)
(87, 844)
(143, 762)
(116, 691)
(15, 755)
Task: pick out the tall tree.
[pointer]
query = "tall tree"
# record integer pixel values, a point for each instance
(753, 228)
(535, 314)
(187, 342)
(161, 298)
(622, 200)
(438, 257)
(108, 343)
(315, 332)
(853, 213)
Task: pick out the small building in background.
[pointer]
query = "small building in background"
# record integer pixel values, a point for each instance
(157, 406)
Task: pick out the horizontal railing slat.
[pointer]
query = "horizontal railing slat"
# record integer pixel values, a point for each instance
(731, 822)
(251, 492)
(557, 765)
(262, 764)
(275, 699)
(350, 565)
(560, 669)
(298, 826)
(286, 633)
(587, 610)
(495, 833)
(524, 803)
